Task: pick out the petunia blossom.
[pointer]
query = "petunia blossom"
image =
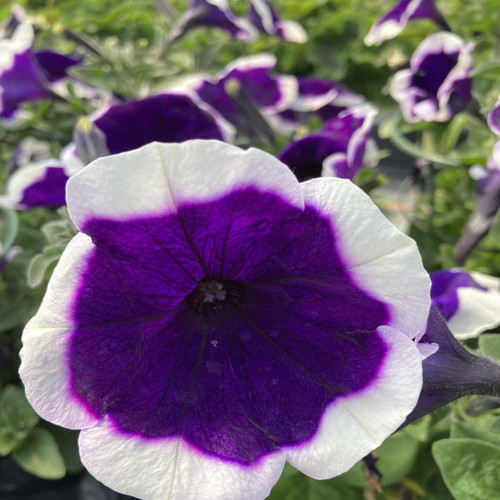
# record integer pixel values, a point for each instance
(29, 150)
(470, 302)
(265, 18)
(326, 99)
(213, 14)
(340, 149)
(438, 83)
(244, 87)
(26, 75)
(40, 184)
(494, 118)
(486, 207)
(165, 117)
(394, 22)
(215, 318)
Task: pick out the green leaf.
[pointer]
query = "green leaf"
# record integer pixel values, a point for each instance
(396, 458)
(490, 346)
(470, 468)
(16, 410)
(300, 487)
(40, 455)
(420, 429)
(476, 428)
(67, 442)
(40, 264)
(17, 418)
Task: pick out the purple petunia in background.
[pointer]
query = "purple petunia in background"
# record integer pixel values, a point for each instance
(166, 117)
(265, 18)
(40, 184)
(394, 22)
(25, 74)
(470, 302)
(213, 14)
(340, 149)
(438, 83)
(215, 318)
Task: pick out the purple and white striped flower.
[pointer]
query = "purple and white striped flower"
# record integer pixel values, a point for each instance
(470, 302)
(340, 149)
(166, 117)
(494, 118)
(438, 83)
(214, 318)
(326, 99)
(26, 75)
(394, 22)
(265, 18)
(36, 185)
(486, 207)
(213, 14)
(244, 85)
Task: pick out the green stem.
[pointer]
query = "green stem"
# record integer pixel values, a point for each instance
(406, 146)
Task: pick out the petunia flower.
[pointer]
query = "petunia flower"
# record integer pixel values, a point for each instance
(245, 86)
(265, 18)
(213, 14)
(340, 149)
(494, 118)
(29, 150)
(36, 185)
(438, 83)
(26, 75)
(20, 77)
(486, 207)
(214, 318)
(470, 302)
(325, 99)
(394, 22)
(165, 117)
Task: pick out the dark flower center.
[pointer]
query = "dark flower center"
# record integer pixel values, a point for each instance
(213, 294)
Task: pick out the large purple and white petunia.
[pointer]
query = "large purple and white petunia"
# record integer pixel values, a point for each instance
(265, 18)
(213, 14)
(438, 83)
(340, 149)
(214, 318)
(470, 302)
(394, 22)
(245, 86)
(40, 184)
(166, 117)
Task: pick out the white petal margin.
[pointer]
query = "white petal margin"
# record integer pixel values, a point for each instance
(44, 369)
(478, 310)
(154, 179)
(381, 259)
(355, 425)
(170, 469)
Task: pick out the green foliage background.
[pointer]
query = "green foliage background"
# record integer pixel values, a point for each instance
(453, 453)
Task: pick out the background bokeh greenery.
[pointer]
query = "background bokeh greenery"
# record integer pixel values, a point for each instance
(456, 448)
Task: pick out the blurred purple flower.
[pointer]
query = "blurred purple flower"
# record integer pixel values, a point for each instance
(438, 83)
(486, 208)
(213, 14)
(470, 302)
(29, 150)
(340, 149)
(494, 118)
(7, 257)
(26, 75)
(265, 18)
(36, 185)
(246, 88)
(326, 99)
(394, 22)
(166, 117)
